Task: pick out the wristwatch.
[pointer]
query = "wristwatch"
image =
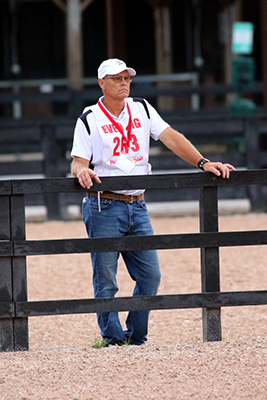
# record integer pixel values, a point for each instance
(201, 162)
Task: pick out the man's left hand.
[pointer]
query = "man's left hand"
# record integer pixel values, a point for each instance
(218, 168)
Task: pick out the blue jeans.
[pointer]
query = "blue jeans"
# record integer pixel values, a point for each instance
(114, 220)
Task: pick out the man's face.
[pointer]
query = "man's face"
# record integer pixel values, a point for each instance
(115, 86)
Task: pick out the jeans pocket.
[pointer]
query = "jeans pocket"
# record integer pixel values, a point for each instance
(104, 203)
(142, 204)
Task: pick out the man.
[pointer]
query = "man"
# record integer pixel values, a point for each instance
(114, 135)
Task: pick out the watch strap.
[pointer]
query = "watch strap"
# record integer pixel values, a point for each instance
(201, 162)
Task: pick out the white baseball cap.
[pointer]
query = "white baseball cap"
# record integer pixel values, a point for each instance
(113, 66)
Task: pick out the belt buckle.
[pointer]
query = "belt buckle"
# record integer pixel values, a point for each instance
(131, 200)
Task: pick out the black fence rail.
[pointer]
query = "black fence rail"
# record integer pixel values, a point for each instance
(14, 249)
(240, 140)
(71, 102)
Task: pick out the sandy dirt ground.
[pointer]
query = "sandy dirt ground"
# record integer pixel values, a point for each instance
(174, 363)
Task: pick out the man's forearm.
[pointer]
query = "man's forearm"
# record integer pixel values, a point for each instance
(77, 166)
(181, 146)
(80, 169)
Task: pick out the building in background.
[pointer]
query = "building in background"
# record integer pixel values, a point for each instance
(59, 39)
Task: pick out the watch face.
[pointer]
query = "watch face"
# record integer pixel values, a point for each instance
(202, 162)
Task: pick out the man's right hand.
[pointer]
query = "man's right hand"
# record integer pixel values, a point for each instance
(80, 169)
(85, 177)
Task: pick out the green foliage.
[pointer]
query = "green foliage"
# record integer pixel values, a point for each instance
(98, 344)
(127, 342)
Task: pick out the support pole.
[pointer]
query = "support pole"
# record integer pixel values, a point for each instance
(74, 10)
(109, 29)
(231, 13)
(116, 29)
(210, 267)
(19, 271)
(163, 51)
(50, 150)
(6, 324)
(74, 54)
(252, 139)
(13, 278)
(74, 38)
(264, 49)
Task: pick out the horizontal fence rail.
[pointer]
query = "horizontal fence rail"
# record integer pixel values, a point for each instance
(57, 90)
(41, 146)
(160, 242)
(166, 302)
(15, 248)
(155, 181)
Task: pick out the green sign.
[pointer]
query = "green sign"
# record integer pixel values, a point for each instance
(242, 38)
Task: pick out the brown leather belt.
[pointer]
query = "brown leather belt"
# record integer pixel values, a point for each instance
(118, 197)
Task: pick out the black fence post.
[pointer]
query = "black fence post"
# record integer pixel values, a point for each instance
(76, 103)
(19, 271)
(49, 148)
(6, 324)
(251, 132)
(210, 266)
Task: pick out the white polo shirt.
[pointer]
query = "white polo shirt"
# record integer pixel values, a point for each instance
(98, 140)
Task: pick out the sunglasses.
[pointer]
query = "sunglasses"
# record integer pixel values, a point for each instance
(118, 79)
